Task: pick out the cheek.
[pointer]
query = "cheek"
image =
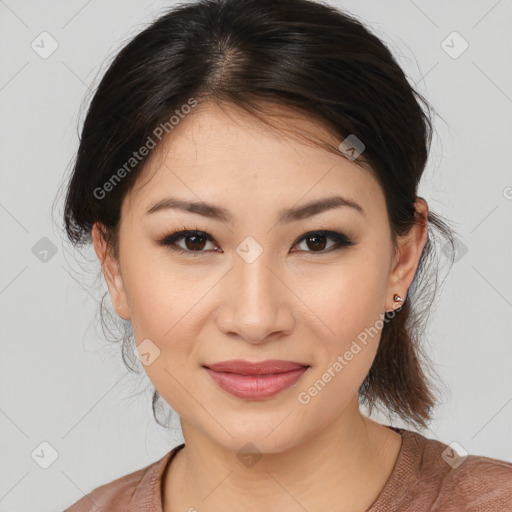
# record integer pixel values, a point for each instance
(349, 299)
(163, 306)
(159, 297)
(162, 310)
(349, 302)
(346, 344)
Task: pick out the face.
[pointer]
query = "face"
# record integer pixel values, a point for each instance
(256, 284)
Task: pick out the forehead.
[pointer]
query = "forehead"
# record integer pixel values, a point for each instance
(224, 155)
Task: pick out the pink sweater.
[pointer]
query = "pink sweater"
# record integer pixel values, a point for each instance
(428, 476)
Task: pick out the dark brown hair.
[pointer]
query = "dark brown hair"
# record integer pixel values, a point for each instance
(304, 55)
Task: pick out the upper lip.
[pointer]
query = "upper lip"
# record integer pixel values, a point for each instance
(257, 368)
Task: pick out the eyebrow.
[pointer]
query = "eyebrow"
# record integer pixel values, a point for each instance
(286, 215)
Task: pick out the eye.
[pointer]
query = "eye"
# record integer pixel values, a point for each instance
(317, 240)
(194, 241)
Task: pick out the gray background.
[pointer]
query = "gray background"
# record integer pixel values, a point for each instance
(63, 384)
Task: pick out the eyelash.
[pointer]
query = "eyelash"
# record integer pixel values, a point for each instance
(169, 241)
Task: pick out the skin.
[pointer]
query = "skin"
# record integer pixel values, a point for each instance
(295, 302)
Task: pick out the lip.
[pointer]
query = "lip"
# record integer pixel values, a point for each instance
(258, 380)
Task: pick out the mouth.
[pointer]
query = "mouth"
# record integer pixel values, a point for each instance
(268, 367)
(255, 381)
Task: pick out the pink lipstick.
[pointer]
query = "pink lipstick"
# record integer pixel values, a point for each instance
(253, 381)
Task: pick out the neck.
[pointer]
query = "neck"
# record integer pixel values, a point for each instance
(347, 463)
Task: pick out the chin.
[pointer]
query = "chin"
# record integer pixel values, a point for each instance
(254, 440)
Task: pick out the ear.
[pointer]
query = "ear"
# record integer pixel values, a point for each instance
(409, 253)
(111, 272)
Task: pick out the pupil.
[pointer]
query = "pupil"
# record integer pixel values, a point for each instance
(316, 237)
(194, 244)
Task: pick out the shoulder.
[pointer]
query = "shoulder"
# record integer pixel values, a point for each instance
(480, 483)
(456, 480)
(133, 491)
(117, 492)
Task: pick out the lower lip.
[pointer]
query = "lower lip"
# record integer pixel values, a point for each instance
(254, 387)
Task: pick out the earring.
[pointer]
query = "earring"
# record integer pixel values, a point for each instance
(396, 298)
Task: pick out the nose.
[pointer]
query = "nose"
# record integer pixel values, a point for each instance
(257, 302)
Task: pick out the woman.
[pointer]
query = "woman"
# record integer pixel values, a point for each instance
(248, 175)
